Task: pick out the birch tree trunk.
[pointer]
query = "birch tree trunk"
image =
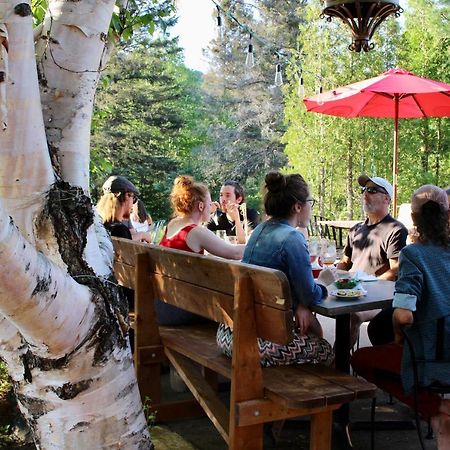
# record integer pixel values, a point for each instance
(63, 331)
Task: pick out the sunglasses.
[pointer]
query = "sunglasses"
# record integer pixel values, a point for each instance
(373, 190)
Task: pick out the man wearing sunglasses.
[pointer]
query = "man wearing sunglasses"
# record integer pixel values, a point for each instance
(373, 246)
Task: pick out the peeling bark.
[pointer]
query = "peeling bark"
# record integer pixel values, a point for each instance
(63, 321)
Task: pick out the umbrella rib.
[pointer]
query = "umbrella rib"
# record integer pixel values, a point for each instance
(418, 105)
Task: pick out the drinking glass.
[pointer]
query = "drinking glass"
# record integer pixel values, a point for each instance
(222, 234)
(313, 248)
(328, 252)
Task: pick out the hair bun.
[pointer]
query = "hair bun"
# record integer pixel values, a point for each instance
(275, 181)
(183, 180)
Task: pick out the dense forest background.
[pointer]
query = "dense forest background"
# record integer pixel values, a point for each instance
(155, 118)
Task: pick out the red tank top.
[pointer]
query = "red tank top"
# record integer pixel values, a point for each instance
(178, 241)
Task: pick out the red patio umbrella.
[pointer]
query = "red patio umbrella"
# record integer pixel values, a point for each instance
(395, 94)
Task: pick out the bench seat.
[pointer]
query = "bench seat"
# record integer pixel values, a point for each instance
(256, 302)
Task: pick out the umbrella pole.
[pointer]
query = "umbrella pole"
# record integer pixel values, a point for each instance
(395, 162)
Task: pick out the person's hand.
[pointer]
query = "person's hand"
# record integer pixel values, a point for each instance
(327, 276)
(233, 211)
(303, 317)
(214, 207)
(142, 237)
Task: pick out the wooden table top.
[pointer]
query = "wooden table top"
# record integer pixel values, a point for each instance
(379, 295)
(345, 224)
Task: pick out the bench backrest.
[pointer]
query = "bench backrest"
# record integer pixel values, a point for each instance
(209, 286)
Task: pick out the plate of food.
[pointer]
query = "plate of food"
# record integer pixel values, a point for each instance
(346, 283)
(348, 294)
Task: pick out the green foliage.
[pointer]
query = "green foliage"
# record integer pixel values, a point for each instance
(145, 121)
(155, 119)
(149, 414)
(331, 152)
(139, 16)
(38, 9)
(246, 109)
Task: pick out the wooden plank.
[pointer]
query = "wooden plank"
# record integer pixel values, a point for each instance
(202, 391)
(301, 389)
(271, 286)
(320, 431)
(146, 333)
(197, 342)
(266, 410)
(361, 388)
(246, 379)
(125, 274)
(185, 409)
(151, 354)
(273, 324)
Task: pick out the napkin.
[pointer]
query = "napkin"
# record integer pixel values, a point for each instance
(363, 276)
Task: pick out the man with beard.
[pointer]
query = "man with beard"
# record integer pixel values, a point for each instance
(373, 246)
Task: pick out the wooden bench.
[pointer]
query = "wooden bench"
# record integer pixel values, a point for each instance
(256, 302)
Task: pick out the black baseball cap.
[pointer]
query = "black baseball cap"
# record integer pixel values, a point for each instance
(117, 184)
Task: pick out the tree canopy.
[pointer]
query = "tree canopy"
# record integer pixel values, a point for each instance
(156, 118)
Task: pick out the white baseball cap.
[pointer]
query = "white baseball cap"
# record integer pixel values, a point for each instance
(364, 179)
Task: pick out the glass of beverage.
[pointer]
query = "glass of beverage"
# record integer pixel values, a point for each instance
(313, 248)
(328, 252)
(222, 234)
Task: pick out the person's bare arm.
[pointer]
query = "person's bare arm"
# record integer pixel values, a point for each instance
(345, 263)
(392, 272)
(201, 238)
(233, 212)
(401, 318)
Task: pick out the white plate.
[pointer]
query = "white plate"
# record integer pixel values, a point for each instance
(347, 294)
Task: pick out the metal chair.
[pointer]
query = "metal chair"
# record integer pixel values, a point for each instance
(439, 361)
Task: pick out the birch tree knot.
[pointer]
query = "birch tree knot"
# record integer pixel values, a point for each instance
(22, 9)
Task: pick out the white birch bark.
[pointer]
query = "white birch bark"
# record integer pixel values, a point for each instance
(61, 321)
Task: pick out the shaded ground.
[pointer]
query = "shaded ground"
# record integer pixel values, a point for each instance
(200, 434)
(295, 434)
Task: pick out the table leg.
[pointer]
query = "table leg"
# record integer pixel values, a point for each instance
(342, 358)
(342, 343)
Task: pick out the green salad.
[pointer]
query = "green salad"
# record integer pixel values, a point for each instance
(346, 283)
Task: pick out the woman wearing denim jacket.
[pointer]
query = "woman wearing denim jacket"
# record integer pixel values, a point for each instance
(277, 244)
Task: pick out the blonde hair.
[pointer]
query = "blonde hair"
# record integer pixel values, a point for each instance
(186, 193)
(108, 207)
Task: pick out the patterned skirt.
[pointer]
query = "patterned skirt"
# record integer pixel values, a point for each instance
(303, 349)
